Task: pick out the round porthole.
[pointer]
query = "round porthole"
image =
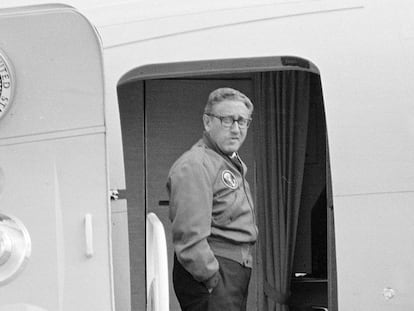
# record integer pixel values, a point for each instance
(15, 247)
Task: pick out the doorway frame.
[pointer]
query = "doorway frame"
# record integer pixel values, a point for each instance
(205, 68)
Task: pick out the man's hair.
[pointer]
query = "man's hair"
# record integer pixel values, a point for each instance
(226, 93)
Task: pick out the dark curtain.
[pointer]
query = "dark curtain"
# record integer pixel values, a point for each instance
(282, 109)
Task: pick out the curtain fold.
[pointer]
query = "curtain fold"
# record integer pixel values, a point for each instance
(282, 102)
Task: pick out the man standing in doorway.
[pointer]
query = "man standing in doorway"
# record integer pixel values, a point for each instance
(211, 209)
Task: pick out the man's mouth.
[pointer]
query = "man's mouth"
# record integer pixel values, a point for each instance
(234, 140)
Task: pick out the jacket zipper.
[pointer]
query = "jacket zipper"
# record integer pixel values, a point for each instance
(247, 196)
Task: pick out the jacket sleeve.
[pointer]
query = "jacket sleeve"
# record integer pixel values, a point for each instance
(191, 198)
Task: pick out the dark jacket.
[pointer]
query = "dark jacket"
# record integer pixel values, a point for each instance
(211, 210)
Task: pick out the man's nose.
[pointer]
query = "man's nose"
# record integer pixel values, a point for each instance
(235, 127)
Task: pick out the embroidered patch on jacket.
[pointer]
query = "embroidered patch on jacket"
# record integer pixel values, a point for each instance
(229, 179)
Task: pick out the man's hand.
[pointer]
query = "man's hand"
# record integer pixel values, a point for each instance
(212, 282)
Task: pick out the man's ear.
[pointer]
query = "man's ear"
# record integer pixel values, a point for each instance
(207, 122)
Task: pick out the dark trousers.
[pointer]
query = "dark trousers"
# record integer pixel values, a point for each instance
(229, 295)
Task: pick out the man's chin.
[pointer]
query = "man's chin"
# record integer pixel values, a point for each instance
(230, 149)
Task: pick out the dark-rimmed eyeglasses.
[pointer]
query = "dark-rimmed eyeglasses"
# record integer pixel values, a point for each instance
(228, 121)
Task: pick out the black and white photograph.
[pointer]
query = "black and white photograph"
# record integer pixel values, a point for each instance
(222, 155)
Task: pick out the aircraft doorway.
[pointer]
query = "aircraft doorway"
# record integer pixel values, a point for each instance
(161, 118)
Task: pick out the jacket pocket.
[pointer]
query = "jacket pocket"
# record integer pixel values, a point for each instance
(224, 211)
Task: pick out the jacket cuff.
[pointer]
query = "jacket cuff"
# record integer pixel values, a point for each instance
(212, 281)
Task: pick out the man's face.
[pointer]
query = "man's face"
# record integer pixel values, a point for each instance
(228, 139)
